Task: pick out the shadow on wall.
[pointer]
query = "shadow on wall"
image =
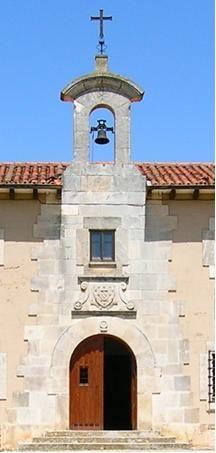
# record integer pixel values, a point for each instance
(185, 222)
(17, 218)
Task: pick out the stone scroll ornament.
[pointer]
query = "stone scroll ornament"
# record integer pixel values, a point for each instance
(104, 296)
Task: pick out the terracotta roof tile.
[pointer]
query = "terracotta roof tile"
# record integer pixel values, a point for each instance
(179, 174)
(41, 173)
(158, 174)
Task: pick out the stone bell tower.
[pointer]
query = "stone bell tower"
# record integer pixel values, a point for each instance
(102, 88)
(102, 225)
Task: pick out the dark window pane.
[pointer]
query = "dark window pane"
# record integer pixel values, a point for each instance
(101, 245)
(108, 245)
(95, 245)
(83, 379)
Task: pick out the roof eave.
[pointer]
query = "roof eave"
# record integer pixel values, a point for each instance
(184, 187)
(30, 186)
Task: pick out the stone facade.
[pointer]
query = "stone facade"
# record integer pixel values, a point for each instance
(150, 302)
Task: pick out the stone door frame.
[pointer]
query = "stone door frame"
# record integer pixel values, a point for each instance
(127, 331)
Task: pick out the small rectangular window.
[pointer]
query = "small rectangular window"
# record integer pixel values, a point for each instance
(102, 245)
(211, 376)
(83, 378)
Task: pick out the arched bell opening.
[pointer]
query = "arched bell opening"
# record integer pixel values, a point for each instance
(102, 134)
(103, 385)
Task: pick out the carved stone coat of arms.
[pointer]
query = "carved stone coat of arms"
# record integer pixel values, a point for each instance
(103, 296)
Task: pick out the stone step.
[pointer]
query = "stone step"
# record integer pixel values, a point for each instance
(100, 432)
(99, 440)
(102, 440)
(131, 446)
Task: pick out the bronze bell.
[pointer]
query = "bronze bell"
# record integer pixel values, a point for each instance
(101, 138)
(101, 130)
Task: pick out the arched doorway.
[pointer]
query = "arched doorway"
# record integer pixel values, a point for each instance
(103, 389)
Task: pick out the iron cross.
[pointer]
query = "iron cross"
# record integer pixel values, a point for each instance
(101, 18)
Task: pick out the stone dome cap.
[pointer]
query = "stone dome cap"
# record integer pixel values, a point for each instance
(102, 80)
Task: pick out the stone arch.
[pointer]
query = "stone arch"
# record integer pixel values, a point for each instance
(104, 115)
(102, 105)
(119, 106)
(123, 329)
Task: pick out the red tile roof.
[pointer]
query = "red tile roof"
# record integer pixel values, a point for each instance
(33, 173)
(158, 174)
(179, 174)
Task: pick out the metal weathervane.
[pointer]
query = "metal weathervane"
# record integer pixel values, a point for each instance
(101, 18)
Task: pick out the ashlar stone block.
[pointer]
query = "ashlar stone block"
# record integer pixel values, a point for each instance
(69, 210)
(1, 246)
(182, 383)
(27, 416)
(50, 209)
(184, 351)
(46, 231)
(203, 376)
(34, 332)
(48, 266)
(208, 252)
(55, 219)
(71, 182)
(157, 250)
(156, 234)
(212, 223)
(173, 351)
(167, 383)
(21, 399)
(33, 310)
(101, 222)
(38, 283)
(172, 369)
(3, 375)
(186, 399)
(94, 183)
(175, 415)
(35, 383)
(191, 415)
(156, 210)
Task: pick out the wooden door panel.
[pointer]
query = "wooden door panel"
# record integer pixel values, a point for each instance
(86, 385)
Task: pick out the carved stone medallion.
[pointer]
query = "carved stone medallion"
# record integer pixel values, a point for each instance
(103, 296)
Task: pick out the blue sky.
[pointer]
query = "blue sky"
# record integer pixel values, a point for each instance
(166, 46)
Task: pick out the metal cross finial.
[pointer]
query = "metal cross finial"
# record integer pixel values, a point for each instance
(101, 18)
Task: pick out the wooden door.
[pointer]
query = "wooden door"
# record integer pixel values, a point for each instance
(133, 393)
(86, 384)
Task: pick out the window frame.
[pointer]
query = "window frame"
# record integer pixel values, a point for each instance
(101, 259)
(83, 376)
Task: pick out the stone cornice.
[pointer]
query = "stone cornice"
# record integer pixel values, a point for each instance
(102, 82)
